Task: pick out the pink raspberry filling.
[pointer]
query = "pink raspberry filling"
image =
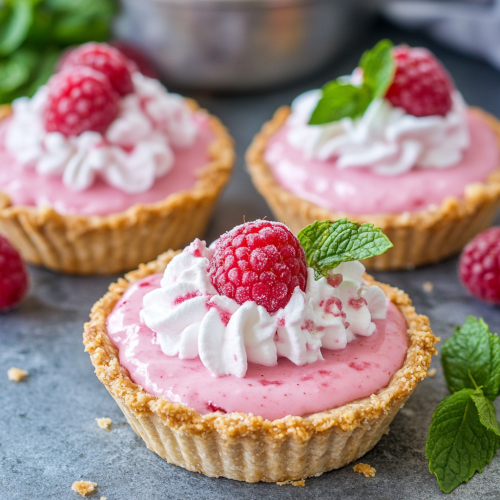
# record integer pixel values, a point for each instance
(25, 187)
(361, 191)
(361, 369)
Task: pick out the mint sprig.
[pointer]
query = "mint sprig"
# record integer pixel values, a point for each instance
(459, 444)
(327, 244)
(464, 434)
(341, 99)
(471, 358)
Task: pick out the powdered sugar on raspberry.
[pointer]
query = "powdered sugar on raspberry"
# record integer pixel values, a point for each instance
(137, 147)
(227, 335)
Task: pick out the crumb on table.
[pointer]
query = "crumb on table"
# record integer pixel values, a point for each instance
(84, 488)
(104, 423)
(104, 498)
(365, 469)
(16, 374)
(293, 483)
(428, 286)
(431, 372)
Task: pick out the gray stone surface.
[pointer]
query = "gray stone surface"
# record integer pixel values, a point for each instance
(48, 435)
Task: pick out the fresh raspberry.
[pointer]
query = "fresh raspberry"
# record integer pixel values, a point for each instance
(79, 100)
(105, 59)
(480, 266)
(421, 85)
(13, 276)
(260, 261)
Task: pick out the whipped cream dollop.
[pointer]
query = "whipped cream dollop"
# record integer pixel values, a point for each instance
(134, 151)
(386, 138)
(191, 319)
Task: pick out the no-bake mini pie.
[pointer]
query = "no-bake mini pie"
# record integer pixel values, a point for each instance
(242, 361)
(104, 169)
(393, 144)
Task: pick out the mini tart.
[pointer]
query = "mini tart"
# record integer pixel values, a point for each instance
(419, 238)
(119, 242)
(242, 446)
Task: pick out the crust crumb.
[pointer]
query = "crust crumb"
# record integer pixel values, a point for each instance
(84, 488)
(431, 372)
(104, 498)
(301, 483)
(365, 469)
(104, 423)
(16, 374)
(428, 286)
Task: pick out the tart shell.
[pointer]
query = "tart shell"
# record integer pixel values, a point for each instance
(119, 242)
(419, 238)
(242, 446)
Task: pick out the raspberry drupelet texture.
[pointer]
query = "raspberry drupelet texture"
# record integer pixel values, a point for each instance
(480, 266)
(421, 85)
(13, 276)
(80, 100)
(261, 261)
(105, 59)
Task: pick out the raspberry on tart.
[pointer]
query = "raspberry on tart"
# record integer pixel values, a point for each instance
(261, 261)
(480, 266)
(393, 143)
(13, 276)
(103, 58)
(79, 100)
(167, 354)
(421, 85)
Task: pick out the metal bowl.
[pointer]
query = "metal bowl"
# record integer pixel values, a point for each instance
(240, 44)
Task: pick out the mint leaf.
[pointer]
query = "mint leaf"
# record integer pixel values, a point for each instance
(327, 244)
(17, 27)
(378, 67)
(471, 358)
(340, 100)
(458, 444)
(343, 100)
(487, 412)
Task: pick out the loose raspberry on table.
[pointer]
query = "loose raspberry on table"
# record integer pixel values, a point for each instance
(480, 266)
(421, 85)
(79, 100)
(261, 261)
(13, 276)
(105, 59)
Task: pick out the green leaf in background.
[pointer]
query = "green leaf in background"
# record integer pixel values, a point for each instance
(378, 67)
(471, 358)
(15, 31)
(459, 444)
(327, 244)
(340, 100)
(487, 412)
(33, 33)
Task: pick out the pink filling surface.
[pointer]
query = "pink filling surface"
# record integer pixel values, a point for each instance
(361, 369)
(360, 191)
(26, 187)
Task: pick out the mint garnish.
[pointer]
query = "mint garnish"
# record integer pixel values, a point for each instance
(464, 434)
(327, 244)
(472, 354)
(341, 99)
(458, 444)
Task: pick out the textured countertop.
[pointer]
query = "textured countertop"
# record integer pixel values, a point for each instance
(48, 434)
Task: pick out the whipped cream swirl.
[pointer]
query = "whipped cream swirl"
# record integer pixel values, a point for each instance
(191, 319)
(385, 139)
(135, 150)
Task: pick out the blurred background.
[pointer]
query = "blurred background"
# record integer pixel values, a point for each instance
(227, 45)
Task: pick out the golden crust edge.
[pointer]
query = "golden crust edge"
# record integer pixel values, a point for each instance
(104, 357)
